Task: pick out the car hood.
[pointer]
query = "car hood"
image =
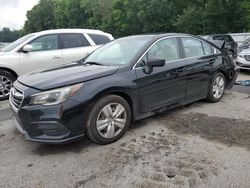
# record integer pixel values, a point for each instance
(246, 51)
(65, 75)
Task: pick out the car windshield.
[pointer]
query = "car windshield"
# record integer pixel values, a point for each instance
(119, 52)
(15, 44)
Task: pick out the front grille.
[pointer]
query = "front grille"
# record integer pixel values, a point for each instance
(16, 98)
(247, 57)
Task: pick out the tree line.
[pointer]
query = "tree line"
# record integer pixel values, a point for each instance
(6, 35)
(128, 17)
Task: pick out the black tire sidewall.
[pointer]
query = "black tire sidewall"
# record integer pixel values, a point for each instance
(211, 97)
(92, 131)
(10, 76)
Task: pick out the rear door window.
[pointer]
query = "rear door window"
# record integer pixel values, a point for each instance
(208, 50)
(99, 39)
(192, 47)
(73, 41)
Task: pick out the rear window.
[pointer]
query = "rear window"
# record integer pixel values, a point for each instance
(99, 39)
(73, 41)
(228, 38)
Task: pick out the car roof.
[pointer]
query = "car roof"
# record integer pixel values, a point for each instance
(162, 35)
(52, 31)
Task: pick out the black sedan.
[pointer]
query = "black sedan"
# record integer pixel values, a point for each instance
(126, 80)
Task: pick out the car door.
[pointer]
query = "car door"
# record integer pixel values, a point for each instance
(200, 58)
(45, 53)
(75, 46)
(161, 86)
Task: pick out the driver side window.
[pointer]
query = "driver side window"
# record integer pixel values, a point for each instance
(45, 43)
(166, 49)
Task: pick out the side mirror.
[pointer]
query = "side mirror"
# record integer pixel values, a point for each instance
(156, 62)
(27, 48)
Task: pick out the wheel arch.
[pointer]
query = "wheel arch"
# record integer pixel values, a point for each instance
(9, 70)
(119, 92)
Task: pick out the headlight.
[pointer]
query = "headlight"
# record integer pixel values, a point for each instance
(55, 96)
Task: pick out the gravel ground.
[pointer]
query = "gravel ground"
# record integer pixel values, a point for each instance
(199, 145)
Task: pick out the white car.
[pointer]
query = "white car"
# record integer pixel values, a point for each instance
(46, 49)
(243, 59)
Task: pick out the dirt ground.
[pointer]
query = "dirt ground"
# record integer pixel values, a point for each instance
(199, 145)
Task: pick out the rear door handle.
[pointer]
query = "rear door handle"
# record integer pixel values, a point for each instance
(56, 57)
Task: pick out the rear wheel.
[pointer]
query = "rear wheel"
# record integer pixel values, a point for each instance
(216, 88)
(108, 119)
(6, 81)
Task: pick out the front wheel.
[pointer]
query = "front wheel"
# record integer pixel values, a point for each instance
(108, 119)
(216, 88)
(6, 81)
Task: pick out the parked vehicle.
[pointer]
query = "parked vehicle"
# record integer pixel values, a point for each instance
(45, 49)
(244, 45)
(243, 59)
(230, 44)
(128, 79)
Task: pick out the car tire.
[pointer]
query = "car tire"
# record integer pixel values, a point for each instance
(6, 81)
(108, 119)
(217, 88)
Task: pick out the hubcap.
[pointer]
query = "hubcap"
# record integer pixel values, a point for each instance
(5, 85)
(111, 120)
(218, 87)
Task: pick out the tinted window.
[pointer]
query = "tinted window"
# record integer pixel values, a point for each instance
(166, 49)
(228, 38)
(218, 37)
(99, 39)
(45, 43)
(73, 41)
(192, 47)
(208, 50)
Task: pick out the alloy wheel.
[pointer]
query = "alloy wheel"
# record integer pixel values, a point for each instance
(111, 120)
(218, 87)
(5, 86)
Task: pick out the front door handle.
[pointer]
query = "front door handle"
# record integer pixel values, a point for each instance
(56, 57)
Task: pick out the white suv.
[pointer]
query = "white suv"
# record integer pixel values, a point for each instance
(46, 49)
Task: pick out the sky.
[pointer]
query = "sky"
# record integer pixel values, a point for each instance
(13, 12)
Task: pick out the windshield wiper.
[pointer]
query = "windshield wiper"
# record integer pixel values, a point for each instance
(93, 63)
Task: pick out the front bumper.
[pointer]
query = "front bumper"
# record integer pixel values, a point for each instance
(241, 63)
(56, 124)
(45, 139)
